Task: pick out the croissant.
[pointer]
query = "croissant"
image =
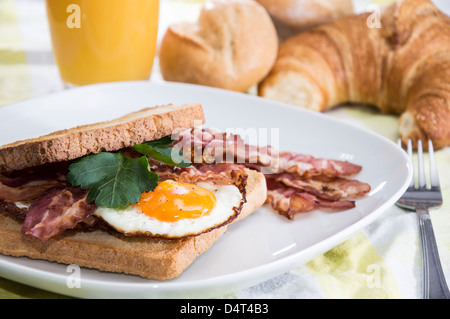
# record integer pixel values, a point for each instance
(401, 66)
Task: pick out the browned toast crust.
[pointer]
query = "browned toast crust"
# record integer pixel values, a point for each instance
(144, 125)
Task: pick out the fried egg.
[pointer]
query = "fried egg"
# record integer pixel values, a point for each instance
(174, 210)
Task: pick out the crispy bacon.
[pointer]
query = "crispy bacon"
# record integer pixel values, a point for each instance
(210, 146)
(222, 172)
(12, 208)
(295, 182)
(289, 201)
(307, 165)
(329, 188)
(28, 191)
(289, 194)
(298, 182)
(28, 184)
(56, 210)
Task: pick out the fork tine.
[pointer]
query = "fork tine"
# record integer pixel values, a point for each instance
(410, 155)
(421, 200)
(422, 181)
(434, 177)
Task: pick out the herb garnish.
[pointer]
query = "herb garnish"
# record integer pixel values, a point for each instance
(115, 180)
(161, 151)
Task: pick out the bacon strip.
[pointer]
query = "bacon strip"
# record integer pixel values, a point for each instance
(288, 201)
(211, 146)
(28, 191)
(12, 208)
(225, 172)
(56, 210)
(325, 187)
(297, 182)
(307, 165)
(30, 183)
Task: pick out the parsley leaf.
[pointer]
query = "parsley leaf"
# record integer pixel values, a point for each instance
(162, 142)
(161, 151)
(113, 179)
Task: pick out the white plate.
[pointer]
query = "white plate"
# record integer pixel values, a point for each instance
(258, 248)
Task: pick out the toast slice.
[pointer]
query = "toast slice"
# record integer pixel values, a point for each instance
(145, 125)
(106, 250)
(146, 257)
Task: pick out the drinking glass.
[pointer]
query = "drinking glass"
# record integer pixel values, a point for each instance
(103, 40)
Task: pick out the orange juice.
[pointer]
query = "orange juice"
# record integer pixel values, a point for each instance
(103, 40)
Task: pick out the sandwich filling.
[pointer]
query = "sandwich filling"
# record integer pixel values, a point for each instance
(176, 210)
(143, 191)
(191, 202)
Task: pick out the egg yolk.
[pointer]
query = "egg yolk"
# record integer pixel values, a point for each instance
(171, 201)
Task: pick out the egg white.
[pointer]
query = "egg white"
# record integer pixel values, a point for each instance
(131, 220)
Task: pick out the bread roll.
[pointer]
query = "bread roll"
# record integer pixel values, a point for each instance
(293, 16)
(232, 46)
(402, 68)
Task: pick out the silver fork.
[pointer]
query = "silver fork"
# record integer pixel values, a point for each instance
(420, 199)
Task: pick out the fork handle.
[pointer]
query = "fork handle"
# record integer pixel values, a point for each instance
(434, 284)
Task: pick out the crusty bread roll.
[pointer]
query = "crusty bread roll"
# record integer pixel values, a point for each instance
(146, 257)
(402, 68)
(233, 46)
(293, 16)
(134, 128)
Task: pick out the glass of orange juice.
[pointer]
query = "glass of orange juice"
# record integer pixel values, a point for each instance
(103, 40)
